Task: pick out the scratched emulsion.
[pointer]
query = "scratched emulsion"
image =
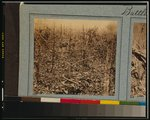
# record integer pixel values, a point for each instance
(74, 57)
(138, 65)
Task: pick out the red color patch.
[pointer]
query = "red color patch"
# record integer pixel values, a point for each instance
(90, 101)
(70, 101)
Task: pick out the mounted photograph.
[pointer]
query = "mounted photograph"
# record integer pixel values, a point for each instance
(138, 62)
(75, 56)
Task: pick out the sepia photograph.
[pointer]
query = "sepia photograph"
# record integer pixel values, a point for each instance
(77, 56)
(138, 63)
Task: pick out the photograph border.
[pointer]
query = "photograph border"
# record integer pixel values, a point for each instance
(69, 17)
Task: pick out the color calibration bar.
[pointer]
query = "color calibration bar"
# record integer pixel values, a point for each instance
(79, 101)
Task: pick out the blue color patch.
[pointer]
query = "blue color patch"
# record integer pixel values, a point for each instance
(142, 103)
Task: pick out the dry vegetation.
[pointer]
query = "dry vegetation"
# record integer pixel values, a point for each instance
(68, 61)
(138, 73)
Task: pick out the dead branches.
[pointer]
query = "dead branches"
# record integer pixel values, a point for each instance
(74, 62)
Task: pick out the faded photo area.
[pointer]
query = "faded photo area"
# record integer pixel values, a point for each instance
(74, 57)
(138, 65)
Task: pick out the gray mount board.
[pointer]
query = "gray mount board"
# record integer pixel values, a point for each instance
(95, 12)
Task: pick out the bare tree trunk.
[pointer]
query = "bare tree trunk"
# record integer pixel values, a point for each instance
(69, 51)
(106, 80)
(38, 62)
(83, 49)
(53, 51)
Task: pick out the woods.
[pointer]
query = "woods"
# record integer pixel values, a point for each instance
(69, 61)
(138, 64)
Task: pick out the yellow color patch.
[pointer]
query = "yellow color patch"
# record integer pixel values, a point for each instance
(111, 102)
